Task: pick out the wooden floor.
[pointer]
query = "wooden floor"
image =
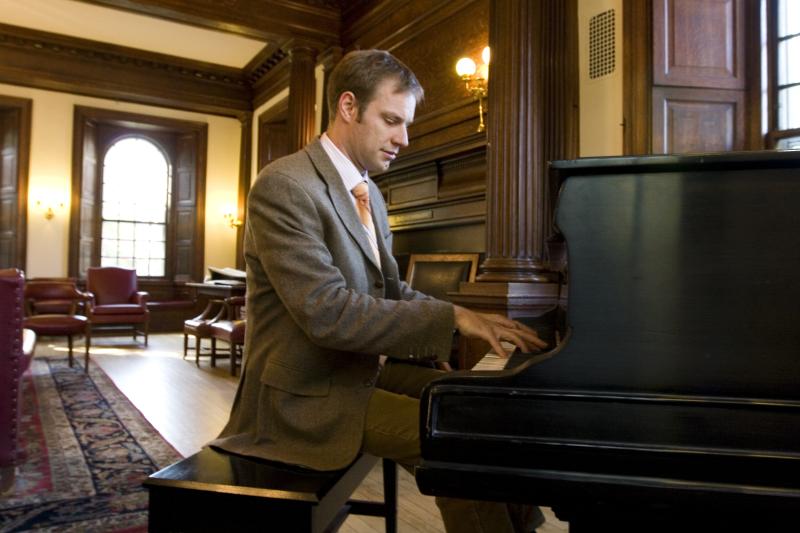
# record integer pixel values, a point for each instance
(189, 405)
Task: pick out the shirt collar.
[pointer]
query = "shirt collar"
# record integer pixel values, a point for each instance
(347, 170)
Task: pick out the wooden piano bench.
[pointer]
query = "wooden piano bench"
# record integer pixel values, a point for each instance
(216, 491)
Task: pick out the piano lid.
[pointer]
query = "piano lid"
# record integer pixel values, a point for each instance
(681, 367)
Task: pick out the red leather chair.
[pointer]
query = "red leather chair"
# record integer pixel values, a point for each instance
(230, 330)
(43, 294)
(16, 350)
(114, 300)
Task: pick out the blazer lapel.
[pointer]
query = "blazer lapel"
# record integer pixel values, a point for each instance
(340, 198)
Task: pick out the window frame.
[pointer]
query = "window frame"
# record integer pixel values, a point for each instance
(773, 134)
(168, 219)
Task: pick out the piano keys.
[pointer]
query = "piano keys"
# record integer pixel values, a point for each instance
(674, 397)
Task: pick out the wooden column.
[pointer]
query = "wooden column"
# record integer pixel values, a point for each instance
(532, 118)
(328, 60)
(245, 163)
(302, 94)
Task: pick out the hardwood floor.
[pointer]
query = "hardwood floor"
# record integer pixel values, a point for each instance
(189, 405)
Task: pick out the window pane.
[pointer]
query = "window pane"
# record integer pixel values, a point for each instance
(109, 248)
(789, 108)
(136, 195)
(789, 61)
(788, 17)
(126, 249)
(156, 268)
(126, 230)
(789, 143)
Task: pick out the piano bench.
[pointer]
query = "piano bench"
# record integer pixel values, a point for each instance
(217, 491)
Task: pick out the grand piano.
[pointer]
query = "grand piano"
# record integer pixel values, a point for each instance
(673, 401)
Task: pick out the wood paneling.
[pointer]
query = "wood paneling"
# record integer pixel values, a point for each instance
(697, 120)
(701, 97)
(699, 43)
(429, 37)
(637, 49)
(15, 133)
(302, 95)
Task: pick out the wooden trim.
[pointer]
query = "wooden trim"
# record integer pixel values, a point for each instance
(25, 108)
(260, 19)
(472, 259)
(424, 21)
(637, 21)
(276, 80)
(102, 70)
(754, 140)
(245, 162)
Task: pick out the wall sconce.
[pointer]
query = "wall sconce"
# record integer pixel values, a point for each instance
(476, 80)
(232, 220)
(47, 207)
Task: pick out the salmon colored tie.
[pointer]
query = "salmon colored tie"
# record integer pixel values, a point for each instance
(361, 192)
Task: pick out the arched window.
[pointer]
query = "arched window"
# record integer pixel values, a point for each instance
(135, 206)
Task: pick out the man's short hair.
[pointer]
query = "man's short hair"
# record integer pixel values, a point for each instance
(361, 71)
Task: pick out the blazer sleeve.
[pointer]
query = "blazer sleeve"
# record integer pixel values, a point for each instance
(289, 238)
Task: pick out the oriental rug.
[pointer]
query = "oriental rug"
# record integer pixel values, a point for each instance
(86, 451)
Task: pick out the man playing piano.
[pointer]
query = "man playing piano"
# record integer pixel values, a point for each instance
(326, 305)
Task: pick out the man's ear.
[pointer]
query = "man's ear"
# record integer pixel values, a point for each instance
(348, 107)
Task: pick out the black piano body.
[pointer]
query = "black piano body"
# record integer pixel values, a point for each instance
(674, 400)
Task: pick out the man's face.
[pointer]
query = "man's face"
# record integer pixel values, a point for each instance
(381, 130)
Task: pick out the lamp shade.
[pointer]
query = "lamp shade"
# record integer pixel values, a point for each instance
(465, 67)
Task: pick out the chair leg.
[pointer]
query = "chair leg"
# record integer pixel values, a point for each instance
(185, 344)
(69, 344)
(234, 356)
(198, 344)
(86, 356)
(390, 494)
(146, 330)
(213, 352)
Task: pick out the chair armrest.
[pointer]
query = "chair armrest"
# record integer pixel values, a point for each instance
(141, 297)
(233, 307)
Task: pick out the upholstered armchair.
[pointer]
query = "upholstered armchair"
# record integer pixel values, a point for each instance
(51, 295)
(115, 301)
(16, 350)
(230, 330)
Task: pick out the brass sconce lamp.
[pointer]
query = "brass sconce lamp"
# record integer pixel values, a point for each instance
(476, 80)
(47, 207)
(232, 220)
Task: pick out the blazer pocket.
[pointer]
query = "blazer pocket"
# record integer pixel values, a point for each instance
(293, 381)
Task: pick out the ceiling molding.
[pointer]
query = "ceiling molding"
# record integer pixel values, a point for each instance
(48, 61)
(270, 20)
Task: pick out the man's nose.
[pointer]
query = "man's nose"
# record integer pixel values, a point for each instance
(401, 137)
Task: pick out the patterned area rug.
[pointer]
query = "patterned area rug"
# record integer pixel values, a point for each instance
(86, 452)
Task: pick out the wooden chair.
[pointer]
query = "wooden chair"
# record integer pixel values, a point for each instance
(42, 294)
(200, 327)
(114, 300)
(230, 330)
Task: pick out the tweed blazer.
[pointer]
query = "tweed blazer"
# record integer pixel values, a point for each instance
(319, 314)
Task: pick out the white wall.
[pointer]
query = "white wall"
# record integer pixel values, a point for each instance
(51, 173)
(601, 131)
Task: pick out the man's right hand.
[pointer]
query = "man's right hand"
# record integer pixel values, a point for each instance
(496, 328)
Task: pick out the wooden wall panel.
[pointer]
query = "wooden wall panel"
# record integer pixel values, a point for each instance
(429, 37)
(700, 89)
(699, 43)
(15, 142)
(695, 120)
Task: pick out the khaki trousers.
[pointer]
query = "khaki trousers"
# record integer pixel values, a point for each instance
(392, 431)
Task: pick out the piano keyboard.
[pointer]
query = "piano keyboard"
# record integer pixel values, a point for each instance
(492, 361)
